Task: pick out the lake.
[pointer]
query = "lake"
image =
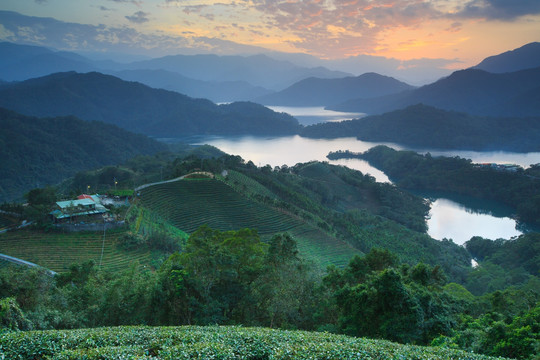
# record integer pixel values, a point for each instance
(455, 218)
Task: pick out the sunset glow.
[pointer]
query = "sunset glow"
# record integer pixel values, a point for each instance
(462, 32)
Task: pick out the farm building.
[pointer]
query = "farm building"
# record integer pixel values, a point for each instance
(77, 209)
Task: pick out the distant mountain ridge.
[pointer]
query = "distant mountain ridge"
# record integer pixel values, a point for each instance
(219, 92)
(218, 78)
(139, 108)
(525, 57)
(259, 70)
(40, 151)
(472, 91)
(322, 92)
(21, 62)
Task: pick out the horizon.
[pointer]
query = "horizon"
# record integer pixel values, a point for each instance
(408, 35)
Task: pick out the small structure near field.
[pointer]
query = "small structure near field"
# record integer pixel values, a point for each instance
(84, 208)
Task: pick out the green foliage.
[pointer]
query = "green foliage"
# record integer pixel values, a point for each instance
(376, 299)
(519, 338)
(191, 342)
(11, 316)
(503, 263)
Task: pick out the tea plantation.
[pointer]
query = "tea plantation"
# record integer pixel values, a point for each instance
(189, 204)
(192, 342)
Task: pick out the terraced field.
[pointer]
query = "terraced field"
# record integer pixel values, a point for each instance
(57, 251)
(188, 204)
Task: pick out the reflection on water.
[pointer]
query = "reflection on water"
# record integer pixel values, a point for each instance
(315, 114)
(451, 220)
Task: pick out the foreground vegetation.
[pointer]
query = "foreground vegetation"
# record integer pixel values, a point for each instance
(233, 278)
(193, 342)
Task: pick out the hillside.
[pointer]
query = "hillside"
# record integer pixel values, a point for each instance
(525, 57)
(323, 92)
(189, 204)
(423, 126)
(40, 151)
(139, 108)
(212, 342)
(471, 91)
(324, 207)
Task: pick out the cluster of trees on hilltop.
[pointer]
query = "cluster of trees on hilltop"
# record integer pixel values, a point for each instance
(233, 278)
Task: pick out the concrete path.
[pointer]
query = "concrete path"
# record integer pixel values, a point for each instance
(22, 262)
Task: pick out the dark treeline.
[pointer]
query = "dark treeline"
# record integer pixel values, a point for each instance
(519, 189)
(233, 278)
(423, 126)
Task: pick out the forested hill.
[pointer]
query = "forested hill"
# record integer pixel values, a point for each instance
(427, 127)
(41, 151)
(139, 108)
(322, 92)
(472, 91)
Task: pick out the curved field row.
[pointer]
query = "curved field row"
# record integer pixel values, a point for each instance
(237, 179)
(57, 251)
(188, 204)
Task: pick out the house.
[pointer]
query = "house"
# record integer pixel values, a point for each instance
(70, 210)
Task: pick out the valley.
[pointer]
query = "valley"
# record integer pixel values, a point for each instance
(164, 192)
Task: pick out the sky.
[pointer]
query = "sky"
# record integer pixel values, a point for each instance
(460, 32)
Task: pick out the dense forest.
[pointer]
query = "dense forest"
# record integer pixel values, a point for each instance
(422, 126)
(519, 189)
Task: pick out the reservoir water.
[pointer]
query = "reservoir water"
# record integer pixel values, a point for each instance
(453, 218)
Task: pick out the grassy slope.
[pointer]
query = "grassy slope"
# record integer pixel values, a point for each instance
(188, 204)
(192, 342)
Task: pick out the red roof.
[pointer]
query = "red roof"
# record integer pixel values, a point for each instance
(84, 196)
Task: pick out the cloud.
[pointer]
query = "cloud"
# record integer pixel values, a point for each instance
(343, 26)
(40, 1)
(499, 9)
(139, 17)
(135, 2)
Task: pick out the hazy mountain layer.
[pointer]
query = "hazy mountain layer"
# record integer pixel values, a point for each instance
(472, 91)
(139, 108)
(323, 92)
